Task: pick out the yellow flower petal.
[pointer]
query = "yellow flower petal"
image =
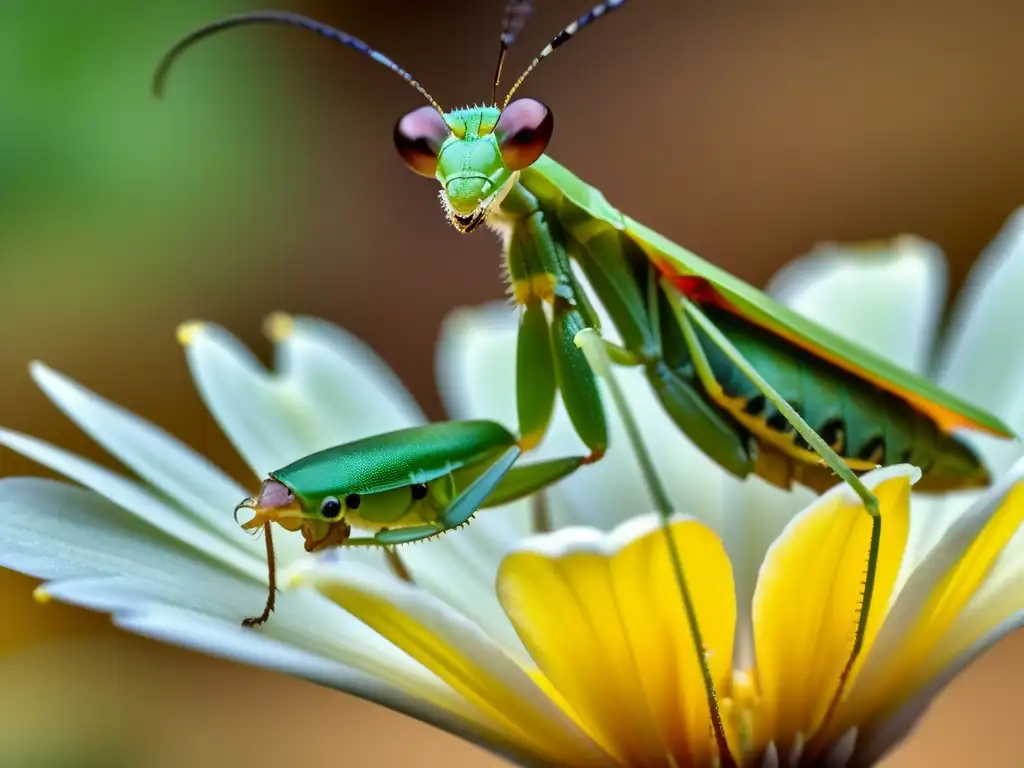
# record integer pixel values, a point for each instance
(603, 618)
(806, 604)
(942, 626)
(521, 716)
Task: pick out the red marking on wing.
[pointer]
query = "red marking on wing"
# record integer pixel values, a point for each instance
(696, 289)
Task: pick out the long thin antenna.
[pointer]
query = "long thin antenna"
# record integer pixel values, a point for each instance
(595, 13)
(517, 13)
(288, 19)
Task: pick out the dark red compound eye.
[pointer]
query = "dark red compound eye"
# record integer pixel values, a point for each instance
(524, 130)
(418, 138)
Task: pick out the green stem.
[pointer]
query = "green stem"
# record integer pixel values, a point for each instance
(596, 351)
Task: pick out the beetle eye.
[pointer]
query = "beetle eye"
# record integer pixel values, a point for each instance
(330, 507)
(352, 501)
(419, 491)
(418, 138)
(524, 130)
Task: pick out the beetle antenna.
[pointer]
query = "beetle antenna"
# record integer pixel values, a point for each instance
(517, 13)
(595, 13)
(288, 19)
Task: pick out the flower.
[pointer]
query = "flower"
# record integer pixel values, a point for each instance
(610, 654)
(162, 555)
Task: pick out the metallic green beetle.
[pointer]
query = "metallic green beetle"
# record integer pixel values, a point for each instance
(407, 485)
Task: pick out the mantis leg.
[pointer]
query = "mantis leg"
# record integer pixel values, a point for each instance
(629, 288)
(689, 315)
(596, 352)
(547, 360)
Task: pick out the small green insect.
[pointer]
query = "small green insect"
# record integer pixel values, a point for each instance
(406, 486)
(757, 387)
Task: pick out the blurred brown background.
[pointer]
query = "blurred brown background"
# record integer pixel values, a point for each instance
(266, 180)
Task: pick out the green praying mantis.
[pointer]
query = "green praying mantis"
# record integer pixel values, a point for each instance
(757, 387)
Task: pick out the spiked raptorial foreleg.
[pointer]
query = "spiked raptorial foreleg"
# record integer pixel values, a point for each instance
(555, 309)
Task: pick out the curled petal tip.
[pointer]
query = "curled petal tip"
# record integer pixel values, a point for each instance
(279, 326)
(188, 332)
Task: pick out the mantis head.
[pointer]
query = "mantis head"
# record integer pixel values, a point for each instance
(475, 153)
(276, 503)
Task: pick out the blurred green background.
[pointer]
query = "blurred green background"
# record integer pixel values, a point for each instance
(266, 180)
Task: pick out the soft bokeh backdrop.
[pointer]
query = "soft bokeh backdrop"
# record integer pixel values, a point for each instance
(266, 180)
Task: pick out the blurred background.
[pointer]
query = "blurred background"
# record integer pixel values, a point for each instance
(266, 180)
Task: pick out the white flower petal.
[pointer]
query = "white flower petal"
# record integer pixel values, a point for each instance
(53, 530)
(982, 354)
(888, 298)
(268, 425)
(982, 359)
(328, 389)
(128, 495)
(95, 554)
(217, 638)
(875, 741)
(476, 363)
(354, 393)
(613, 490)
(154, 455)
(841, 752)
(303, 619)
(203, 589)
(694, 483)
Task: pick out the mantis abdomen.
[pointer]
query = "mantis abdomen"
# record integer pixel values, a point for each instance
(723, 411)
(865, 425)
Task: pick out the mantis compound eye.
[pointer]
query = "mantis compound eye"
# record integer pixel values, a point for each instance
(418, 138)
(524, 130)
(330, 507)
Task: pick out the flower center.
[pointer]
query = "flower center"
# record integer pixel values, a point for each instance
(740, 706)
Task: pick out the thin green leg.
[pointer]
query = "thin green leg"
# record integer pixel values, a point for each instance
(687, 310)
(595, 350)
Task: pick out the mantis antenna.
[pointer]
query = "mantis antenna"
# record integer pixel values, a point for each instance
(288, 19)
(595, 13)
(517, 13)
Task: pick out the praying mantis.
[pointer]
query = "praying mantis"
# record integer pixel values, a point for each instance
(758, 388)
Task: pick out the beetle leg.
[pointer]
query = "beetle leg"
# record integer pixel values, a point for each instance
(498, 484)
(271, 585)
(462, 506)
